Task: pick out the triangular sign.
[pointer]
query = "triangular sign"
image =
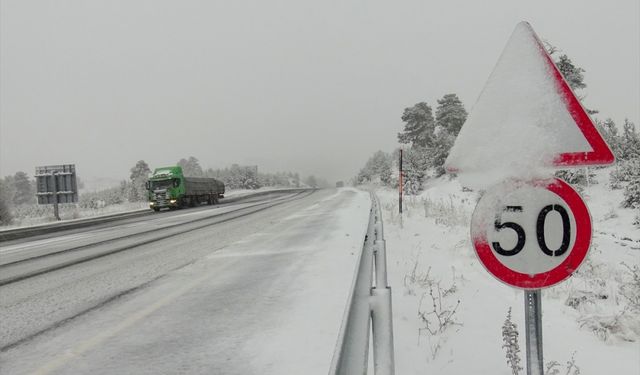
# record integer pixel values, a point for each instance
(527, 116)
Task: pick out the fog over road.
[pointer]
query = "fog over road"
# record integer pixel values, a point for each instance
(257, 292)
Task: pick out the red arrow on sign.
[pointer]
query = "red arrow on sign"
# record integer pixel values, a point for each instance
(527, 115)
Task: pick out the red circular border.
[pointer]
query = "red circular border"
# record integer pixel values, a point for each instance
(564, 269)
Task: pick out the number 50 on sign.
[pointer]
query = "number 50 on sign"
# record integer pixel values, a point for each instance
(532, 234)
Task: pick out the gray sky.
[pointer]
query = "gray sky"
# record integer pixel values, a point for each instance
(314, 87)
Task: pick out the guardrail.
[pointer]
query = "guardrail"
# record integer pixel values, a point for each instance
(18, 233)
(368, 309)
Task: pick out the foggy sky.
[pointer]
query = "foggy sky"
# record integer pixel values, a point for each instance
(314, 87)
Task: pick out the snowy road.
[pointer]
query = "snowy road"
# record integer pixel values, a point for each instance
(260, 293)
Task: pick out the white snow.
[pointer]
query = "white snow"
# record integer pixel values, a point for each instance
(430, 249)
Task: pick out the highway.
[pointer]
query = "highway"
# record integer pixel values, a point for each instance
(257, 285)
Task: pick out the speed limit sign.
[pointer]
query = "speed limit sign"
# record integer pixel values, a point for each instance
(532, 234)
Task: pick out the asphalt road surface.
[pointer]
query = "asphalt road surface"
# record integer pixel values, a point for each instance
(257, 286)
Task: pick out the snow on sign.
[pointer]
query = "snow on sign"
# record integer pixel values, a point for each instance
(531, 235)
(526, 116)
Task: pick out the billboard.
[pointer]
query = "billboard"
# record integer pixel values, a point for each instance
(56, 181)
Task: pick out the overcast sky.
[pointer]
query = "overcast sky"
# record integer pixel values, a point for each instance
(308, 86)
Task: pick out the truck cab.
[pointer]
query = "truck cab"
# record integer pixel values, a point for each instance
(165, 188)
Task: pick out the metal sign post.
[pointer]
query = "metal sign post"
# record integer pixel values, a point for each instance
(533, 323)
(56, 213)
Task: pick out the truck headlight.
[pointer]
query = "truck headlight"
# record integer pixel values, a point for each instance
(151, 203)
(172, 201)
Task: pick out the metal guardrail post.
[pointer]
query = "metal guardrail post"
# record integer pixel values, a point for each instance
(367, 307)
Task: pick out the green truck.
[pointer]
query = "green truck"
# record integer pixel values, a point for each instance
(169, 188)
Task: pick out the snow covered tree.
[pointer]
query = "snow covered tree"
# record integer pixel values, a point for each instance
(450, 114)
(139, 177)
(191, 167)
(377, 168)
(6, 216)
(415, 164)
(24, 189)
(627, 172)
(629, 142)
(571, 73)
(510, 339)
(630, 172)
(419, 125)
(439, 150)
(609, 132)
(311, 181)
(576, 176)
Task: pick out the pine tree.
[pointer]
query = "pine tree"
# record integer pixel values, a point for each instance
(377, 168)
(609, 132)
(450, 114)
(419, 126)
(438, 152)
(510, 339)
(191, 167)
(415, 164)
(5, 201)
(571, 73)
(24, 189)
(630, 141)
(139, 177)
(630, 173)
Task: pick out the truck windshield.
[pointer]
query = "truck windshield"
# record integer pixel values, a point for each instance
(162, 184)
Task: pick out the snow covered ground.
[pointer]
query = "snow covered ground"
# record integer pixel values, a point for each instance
(449, 311)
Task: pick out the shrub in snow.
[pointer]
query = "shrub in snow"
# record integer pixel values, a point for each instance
(624, 172)
(606, 327)
(632, 193)
(441, 314)
(577, 177)
(510, 344)
(630, 287)
(445, 212)
(553, 367)
(440, 317)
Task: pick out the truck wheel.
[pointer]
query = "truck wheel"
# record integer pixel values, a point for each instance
(156, 209)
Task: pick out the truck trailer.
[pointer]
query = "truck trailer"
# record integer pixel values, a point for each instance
(169, 188)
